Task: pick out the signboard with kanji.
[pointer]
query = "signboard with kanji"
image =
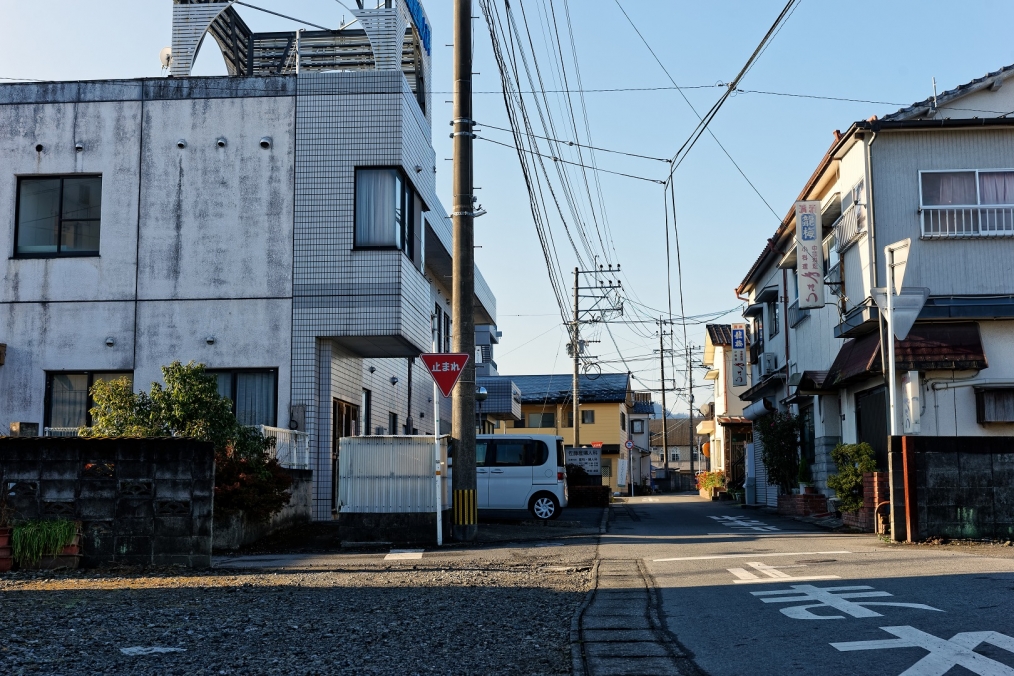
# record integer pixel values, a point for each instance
(588, 459)
(445, 369)
(738, 355)
(809, 255)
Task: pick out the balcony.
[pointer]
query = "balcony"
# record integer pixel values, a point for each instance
(957, 222)
(849, 227)
(291, 449)
(796, 315)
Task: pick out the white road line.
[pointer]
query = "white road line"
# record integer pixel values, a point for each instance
(760, 534)
(773, 574)
(751, 556)
(404, 555)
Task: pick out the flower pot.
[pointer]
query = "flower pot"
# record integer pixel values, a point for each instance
(810, 490)
(5, 537)
(69, 557)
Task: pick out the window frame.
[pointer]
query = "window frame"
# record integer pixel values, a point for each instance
(232, 388)
(47, 413)
(588, 417)
(411, 200)
(978, 188)
(57, 253)
(635, 424)
(542, 415)
(980, 404)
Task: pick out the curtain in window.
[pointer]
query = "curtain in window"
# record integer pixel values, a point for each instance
(255, 398)
(38, 215)
(946, 188)
(378, 212)
(69, 400)
(996, 187)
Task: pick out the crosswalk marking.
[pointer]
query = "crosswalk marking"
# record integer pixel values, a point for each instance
(744, 576)
(755, 555)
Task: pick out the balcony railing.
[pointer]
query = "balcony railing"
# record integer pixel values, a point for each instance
(967, 221)
(796, 315)
(292, 448)
(849, 227)
(60, 431)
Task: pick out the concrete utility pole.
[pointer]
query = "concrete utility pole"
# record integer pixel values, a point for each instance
(690, 397)
(576, 348)
(665, 419)
(465, 514)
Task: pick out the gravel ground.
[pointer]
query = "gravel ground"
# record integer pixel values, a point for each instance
(478, 613)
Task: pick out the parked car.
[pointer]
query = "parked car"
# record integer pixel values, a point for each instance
(516, 473)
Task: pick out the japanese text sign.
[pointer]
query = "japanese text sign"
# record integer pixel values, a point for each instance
(809, 255)
(739, 355)
(445, 369)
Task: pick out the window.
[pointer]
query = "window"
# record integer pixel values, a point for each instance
(606, 470)
(388, 212)
(569, 420)
(253, 393)
(967, 203)
(587, 417)
(513, 454)
(68, 397)
(541, 420)
(480, 453)
(438, 326)
(807, 440)
(774, 312)
(447, 332)
(994, 405)
(392, 423)
(637, 427)
(58, 216)
(367, 406)
(623, 421)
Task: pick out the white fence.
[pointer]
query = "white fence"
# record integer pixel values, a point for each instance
(60, 431)
(967, 222)
(292, 448)
(386, 474)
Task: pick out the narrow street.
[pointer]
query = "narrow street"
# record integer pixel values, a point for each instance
(745, 592)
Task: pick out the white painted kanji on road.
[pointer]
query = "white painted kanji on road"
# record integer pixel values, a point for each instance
(832, 597)
(772, 574)
(943, 654)
(743, 523)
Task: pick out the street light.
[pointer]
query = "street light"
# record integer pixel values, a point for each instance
(480, 396)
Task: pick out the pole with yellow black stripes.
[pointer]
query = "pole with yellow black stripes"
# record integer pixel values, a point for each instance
(465, 517)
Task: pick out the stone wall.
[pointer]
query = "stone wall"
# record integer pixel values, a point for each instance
(957, 487)
(140, 501)
(235, 531)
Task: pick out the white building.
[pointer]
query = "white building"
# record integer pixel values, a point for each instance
(937, 173)
(279, 225)
(728, 432)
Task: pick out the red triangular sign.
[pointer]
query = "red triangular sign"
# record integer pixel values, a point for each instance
(445, 369)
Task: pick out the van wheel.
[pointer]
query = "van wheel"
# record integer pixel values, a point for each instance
(544, 507)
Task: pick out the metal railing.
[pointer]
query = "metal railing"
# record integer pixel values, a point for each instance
(967, 221)
(292, 448)
(60, 431)
(849, 227)
(796, 315)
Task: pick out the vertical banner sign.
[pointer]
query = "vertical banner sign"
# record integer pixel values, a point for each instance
(739, 355)
(810, 255)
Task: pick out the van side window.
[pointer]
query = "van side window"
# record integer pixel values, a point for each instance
(512, 454)
(541, 454)
(480, 454)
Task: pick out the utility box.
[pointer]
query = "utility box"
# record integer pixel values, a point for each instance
(24, 429)
(387, 488)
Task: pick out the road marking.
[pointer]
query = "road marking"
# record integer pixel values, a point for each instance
(155, 650)
(832, 597)
(743, 523)
(943, 654)
(751, 556)
(773, 574)
(779, 534)
(404, 555)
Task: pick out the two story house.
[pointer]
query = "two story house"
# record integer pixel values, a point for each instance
(727, 431)
(938, 173)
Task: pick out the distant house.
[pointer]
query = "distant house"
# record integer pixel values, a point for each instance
(728, 431)
(684, 455)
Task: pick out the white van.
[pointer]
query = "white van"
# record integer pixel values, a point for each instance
(516, 473)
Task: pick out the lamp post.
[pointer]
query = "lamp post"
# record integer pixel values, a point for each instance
(480, 396)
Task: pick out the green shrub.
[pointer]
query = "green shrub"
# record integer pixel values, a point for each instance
(779, 436)
(709, 480)
(853, 461)
(31, 540)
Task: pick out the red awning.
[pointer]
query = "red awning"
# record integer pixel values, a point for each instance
(928, 347)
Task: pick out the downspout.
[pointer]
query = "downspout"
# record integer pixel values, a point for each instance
(785, 321)
(410, 421)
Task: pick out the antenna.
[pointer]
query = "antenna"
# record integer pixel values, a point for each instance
(166, 57)
(934, 92)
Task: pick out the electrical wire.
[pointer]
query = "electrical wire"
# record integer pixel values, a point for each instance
(560, 159)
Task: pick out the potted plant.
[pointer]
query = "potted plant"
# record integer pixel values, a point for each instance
(6, 513)
(46, 545)
(805, 477)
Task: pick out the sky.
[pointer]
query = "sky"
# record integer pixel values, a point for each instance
(884, 53)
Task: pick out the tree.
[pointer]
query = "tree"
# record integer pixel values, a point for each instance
(190, 406)
(779, 436)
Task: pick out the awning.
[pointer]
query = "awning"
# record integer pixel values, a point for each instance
(758, 409)
(808, 382)
(732, 420)
(767, 295)
(706, 427)
(765, 387)
(755, 309)
(712, 375)
(929, 347)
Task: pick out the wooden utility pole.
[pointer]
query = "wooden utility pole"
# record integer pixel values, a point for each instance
(463, 483)
(575, 336)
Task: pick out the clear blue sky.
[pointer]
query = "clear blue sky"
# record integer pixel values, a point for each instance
(877, 51)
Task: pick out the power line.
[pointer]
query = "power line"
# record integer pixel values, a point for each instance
(581, 145)
(577, 164)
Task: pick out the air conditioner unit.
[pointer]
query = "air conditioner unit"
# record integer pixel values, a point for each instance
(768, 364)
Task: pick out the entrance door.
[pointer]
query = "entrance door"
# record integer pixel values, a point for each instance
(510, 475)
(344, 423)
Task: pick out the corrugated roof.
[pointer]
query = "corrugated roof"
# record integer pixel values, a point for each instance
(921, 107)
(720, 334)
(556, 389)
(678, 432)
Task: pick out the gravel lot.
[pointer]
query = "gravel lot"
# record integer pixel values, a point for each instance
(512, 609)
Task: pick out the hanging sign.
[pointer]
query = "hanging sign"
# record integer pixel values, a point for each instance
(445, 369)
(809, 255)
(739, 355)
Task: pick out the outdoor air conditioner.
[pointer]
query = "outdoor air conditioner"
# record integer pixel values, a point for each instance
(768, 364)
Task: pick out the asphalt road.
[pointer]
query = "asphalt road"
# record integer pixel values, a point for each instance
(746, 592)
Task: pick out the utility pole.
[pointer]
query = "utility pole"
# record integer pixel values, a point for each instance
(465, 514)
(690, 397)
(576, 349)
(665, 418)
